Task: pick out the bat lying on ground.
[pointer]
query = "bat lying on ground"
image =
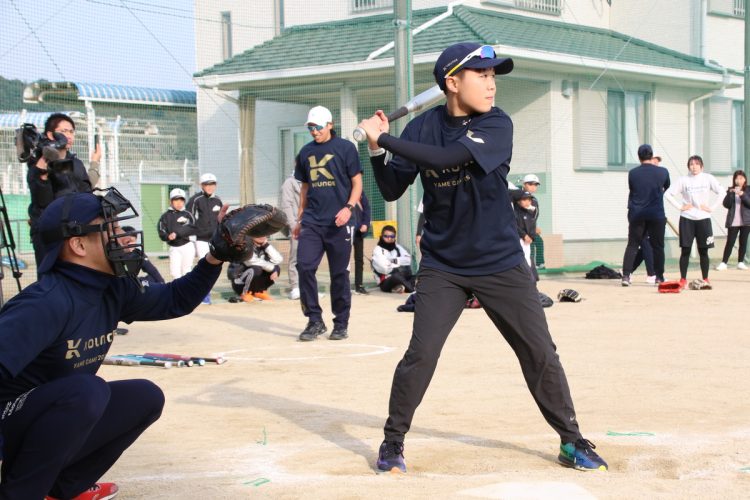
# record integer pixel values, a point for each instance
(128, 361)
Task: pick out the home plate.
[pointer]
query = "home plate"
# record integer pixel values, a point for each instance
(531, 491)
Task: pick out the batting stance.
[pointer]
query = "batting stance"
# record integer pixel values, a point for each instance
(63, 426)
(331, 177)
(462, 152)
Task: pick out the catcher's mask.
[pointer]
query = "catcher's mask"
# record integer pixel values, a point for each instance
(71, 215)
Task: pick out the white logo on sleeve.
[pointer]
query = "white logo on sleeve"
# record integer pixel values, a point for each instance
(470, 135)
(216, 208)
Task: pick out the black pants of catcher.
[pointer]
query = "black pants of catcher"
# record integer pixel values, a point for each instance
(61, 437)
(637, 231)
(511, 301)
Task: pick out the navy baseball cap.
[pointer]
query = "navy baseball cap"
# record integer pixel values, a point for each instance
(645, 152)
(469, 55)
(81, 209)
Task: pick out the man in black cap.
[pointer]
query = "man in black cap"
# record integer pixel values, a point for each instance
(462, 153)
(647, 183)
(63, 426)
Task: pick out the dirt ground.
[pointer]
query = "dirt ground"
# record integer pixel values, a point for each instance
(660, 383)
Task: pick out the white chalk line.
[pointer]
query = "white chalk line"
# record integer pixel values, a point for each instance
(376, 350)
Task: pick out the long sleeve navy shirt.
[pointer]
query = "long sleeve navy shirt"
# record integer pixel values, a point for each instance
(63, 324)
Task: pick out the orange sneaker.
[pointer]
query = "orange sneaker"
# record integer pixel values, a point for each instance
(683, 283)
(264, 295)
(100, 491)
(247, 297)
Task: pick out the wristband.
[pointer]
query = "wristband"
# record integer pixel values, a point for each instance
(376, 152)
(350, 207)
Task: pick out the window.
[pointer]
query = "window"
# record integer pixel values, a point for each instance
(226, 35)
(738, 135)
(545, 6)
(627, 126)
(366, 5)
(734, 8)
(739, 8)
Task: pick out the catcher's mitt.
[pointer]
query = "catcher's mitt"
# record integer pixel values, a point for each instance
(232, 239)
(669, 287)
(700, 285)
(569, 295)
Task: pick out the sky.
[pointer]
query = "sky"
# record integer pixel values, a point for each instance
(144, 43)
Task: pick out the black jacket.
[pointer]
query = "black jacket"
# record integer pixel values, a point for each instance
(181, 223)
(43, 192)
(729, 201)
(525, 221)
(205, 210)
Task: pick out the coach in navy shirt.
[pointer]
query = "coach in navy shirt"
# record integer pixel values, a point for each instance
(462, 152)
(647, 183)
(331, 177)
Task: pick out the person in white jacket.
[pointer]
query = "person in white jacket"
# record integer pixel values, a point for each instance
(392, 263)
(252, 278)
(691, 194)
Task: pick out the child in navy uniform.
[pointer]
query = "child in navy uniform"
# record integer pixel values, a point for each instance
(526, 223)
(177, 227)
(331, 177)
(462, 152)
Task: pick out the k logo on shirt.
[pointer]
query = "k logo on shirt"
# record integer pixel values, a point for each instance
(470, 135)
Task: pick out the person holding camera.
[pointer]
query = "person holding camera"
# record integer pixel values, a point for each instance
(392, 263)
(53, 170)
(737, 203)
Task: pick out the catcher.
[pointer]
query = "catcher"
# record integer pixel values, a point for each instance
(63, 426)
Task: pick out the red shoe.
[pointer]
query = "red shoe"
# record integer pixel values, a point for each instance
(100, 491)
(683, 284)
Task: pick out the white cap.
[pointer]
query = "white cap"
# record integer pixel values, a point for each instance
(319, 115)
(177, 193)
(529, 178)
(208, 179)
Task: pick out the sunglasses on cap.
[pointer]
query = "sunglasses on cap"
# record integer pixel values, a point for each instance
(483, 52)
(389, 236)
(315, 128)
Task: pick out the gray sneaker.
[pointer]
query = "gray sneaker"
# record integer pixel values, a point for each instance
(312, 330)
(625, 281)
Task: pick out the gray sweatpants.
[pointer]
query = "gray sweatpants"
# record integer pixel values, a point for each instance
(511, 301)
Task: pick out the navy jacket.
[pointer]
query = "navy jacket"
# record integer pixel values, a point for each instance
(647, 185)
(63, 324)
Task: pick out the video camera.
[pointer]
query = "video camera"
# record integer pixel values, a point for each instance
(31, 146)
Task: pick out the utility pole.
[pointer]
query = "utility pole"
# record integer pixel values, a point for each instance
(746, 107)
(404, 81)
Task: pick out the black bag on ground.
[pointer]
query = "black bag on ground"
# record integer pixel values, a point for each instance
(603, 273)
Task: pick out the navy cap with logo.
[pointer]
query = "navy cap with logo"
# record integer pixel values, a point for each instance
(645, 152)
(63, 218)
(469, 55)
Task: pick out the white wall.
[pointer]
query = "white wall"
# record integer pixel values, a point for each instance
(725, 39)
(218, 142)
(669, 23)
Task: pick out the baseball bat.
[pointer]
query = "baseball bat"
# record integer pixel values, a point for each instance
(124, 361)
(177, 357)
(431, 96)
(177, 363)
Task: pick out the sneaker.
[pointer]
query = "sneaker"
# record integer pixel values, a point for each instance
(100, 491)
(651, 280)
(581, 456)
(391, 457)
(398, 289)
(741, 266)
(294, 294)
(722, 266)
(264, 295)
(248, 297)
(312, 330)
(338, 333)
(625, 281)
(541, 266)
(361, 290)
(683, 283)
(207, 299)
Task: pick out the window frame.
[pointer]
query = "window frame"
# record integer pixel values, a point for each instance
(626, 157)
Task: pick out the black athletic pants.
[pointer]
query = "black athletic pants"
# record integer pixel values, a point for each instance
(61, 437)
(732, 232)
(637, 230)
(511, 300)
(359, 259)
(336, 243)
